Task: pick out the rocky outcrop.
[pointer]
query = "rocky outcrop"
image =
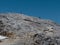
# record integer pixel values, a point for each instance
(25, 30)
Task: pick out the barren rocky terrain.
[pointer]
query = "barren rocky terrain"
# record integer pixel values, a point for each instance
(27, 30)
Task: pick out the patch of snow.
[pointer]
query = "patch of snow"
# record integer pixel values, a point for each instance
(3, 37)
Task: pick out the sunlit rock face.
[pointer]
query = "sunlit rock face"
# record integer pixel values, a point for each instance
(20, 29)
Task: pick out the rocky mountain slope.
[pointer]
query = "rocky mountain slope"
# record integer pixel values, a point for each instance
(25, 30)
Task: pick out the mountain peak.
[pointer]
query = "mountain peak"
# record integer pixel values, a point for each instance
(27, 30)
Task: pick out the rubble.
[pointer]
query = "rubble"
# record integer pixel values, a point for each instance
(27, 30)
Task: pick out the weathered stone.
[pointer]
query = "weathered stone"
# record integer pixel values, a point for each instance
(25, 30)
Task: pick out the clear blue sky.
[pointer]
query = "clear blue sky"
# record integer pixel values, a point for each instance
(47, 9)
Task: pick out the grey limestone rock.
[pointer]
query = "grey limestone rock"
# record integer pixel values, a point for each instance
(27, 30)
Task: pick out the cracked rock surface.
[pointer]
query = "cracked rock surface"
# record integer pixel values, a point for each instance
(25, 30)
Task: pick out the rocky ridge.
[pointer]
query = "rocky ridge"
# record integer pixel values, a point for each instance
(26, 30)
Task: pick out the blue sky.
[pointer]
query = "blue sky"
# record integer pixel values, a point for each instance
(47, 9)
